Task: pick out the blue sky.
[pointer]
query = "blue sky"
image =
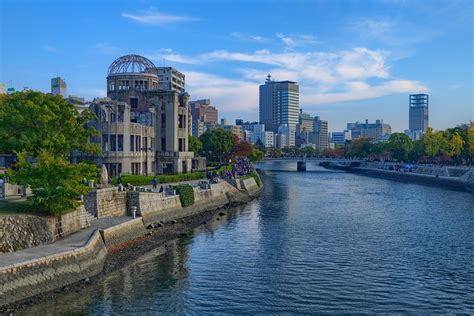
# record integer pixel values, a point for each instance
(354, 60)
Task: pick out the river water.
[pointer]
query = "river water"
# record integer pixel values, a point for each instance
(320, 241)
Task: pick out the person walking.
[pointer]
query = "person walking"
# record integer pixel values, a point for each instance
(154, 182)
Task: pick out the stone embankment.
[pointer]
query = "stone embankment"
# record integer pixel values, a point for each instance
(57, 265)
(449, 177)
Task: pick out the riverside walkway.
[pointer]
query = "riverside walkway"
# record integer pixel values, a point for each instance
(68, 243)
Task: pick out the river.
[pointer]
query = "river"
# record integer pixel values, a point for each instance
(320, 241)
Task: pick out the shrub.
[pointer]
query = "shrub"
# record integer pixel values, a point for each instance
(255, 175)
(186, 194)
(146, 180)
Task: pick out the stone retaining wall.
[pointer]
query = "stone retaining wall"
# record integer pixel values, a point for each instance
(23, 231)
(122, 233)
(107, 202)
(20, 281)
(154, 207)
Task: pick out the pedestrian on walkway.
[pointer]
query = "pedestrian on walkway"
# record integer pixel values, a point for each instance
(154, 182)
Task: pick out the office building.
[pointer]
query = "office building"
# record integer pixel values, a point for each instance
(3, 88)
(58, 86)
(278, 104)
(418, 112)
(289, 132)
(170, 79)
(305, 122)
(320, 127)
(235, 129)
(203, 111)
(369, 130)
(339, 138)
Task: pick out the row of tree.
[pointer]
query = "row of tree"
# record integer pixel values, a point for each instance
(220, 146)
(453, 145)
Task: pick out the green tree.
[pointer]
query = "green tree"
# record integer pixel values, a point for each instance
(217, 144)
(308, 151)
(400, 146)
(54, 181)
(260, 145)
(256, 154)
(456, 145)
(34, 122)
(470, 142)
(275, 152)
(195, 145)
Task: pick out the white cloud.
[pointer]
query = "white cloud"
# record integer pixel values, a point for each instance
(293, 41)
(227, 94)
(358, 90)
(324, 77)
(247, 37)
(156, 18)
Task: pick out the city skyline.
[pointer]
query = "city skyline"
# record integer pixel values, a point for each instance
(353, 60)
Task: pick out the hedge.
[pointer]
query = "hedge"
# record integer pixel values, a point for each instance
(146, 180)
(186, 194)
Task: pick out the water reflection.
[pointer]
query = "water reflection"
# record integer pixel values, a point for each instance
(318, 241)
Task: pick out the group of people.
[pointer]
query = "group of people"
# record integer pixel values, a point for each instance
(242, 167)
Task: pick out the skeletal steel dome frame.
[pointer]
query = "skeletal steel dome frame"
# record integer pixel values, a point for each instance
(131, 64)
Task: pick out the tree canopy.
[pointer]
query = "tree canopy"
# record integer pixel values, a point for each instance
(42, 130)
(35, 122)
(217, 144)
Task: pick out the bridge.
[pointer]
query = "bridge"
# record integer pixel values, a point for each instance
(332, 163)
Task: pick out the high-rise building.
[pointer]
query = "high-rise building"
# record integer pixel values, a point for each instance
(418, 116)
(369, 130)
(58, 86)
(305, 122)
(279, 104)
(3, 88)
(289, 132)
(203, 110)
(321, 128)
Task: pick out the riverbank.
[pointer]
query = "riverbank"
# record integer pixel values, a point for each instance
(26, 280)
(457, 179)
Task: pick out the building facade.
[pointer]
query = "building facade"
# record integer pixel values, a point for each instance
(278, 104)
(58, 86)
(170, 79)
(418, 112)
(369, 130)
(151, 118)
(203, 111)
(320, 127)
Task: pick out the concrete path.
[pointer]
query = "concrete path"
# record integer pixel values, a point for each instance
(67, 243)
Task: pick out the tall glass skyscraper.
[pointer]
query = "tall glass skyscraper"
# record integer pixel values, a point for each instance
(279, 104)
(418, 120)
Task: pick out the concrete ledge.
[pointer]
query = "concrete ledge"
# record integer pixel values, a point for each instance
(28, 278)
(124, 232)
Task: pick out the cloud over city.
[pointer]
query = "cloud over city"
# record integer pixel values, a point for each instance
(324, 76)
